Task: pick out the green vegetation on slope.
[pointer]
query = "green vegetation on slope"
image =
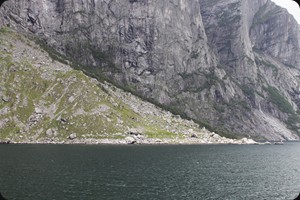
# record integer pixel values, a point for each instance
(267, 64)
(42, 99)
(277, 99)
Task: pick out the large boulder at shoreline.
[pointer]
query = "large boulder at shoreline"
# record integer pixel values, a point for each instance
(248, 141)
(130, 140)
(72, 136)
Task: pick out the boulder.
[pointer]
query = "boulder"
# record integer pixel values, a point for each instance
(72, 136)
(247, 141)
(267, 143)
(140, 137)
(38, 110)
(134, 131)
(71, 99)
(63, 120)
(8, 141)
(130, 140)
(5, 99)
(278, 143)
(216, 136)
(51, 132)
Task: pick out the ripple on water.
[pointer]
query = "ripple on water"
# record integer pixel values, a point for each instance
(150, 172)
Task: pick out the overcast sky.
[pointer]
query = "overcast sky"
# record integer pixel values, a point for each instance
(291, 6)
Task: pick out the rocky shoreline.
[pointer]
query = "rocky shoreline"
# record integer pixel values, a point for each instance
(148, 141)
(137, 137)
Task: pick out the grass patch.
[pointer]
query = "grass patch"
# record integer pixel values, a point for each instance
(248, 90)
(160, 134)
(185, 75)
(278, 100)
(194, 55)
(5, 30)
(54, 55)
(105, 58)
(9, 130)
(220, 108)
(267, 64)
(292, 122)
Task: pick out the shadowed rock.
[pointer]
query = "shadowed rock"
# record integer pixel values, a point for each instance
(1, 2)
(2, 198)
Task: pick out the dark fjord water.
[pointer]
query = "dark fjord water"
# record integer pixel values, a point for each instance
(230, 172)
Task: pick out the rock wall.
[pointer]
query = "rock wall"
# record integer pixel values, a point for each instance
(231, 64)
(258, 51)
(147, 44)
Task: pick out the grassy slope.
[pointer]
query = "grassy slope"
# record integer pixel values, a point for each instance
(39, 94)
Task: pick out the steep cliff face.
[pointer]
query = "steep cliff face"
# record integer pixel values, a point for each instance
(135, 42)
(276, 33)
(43, 100)
(257, 44)
(231, 64)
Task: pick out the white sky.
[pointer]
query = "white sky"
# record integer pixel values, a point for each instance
(291, 6)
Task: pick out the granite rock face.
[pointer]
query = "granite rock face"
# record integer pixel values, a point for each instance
(46, 101)
(230, 64)
(259, 51)
(137, 43)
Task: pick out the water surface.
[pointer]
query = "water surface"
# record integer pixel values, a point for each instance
(230, 172)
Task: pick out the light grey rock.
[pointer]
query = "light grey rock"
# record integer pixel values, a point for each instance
(71, 99)
(5, 99)
(38, 110)
(51, 132)
(4, 111)
(247, 141)
(72, 136)
(135, 131)
(216, 136)
(130, 140)
(267, 143)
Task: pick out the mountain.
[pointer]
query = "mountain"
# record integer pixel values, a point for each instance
(231, 65)
(45, 101)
